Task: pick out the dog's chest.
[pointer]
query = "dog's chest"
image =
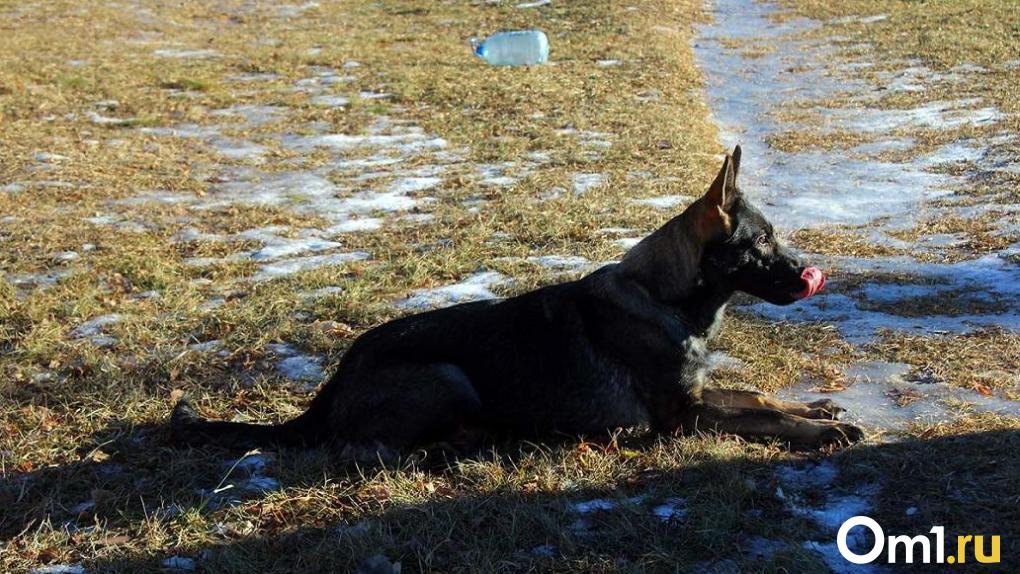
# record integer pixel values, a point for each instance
(694, 372)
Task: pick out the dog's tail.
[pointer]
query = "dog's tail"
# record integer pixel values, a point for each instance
(190, 428)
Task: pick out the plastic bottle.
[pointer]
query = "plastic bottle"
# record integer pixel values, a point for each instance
(515, 48)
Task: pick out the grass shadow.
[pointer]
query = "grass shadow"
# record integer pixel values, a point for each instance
(717, 511)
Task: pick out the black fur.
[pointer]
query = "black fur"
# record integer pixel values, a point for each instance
(623, 346)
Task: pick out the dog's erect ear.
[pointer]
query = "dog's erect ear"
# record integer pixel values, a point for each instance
(724, 191)
(736, 166)
(721, 194)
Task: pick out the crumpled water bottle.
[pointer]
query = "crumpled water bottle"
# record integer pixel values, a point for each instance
(514, 48)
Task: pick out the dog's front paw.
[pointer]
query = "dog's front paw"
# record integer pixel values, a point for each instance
(826, 409)
(841, 434)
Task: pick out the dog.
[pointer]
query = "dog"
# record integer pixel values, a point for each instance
(624, 346)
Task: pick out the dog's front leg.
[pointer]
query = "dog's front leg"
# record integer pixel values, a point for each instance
(824, 409)
(766, 423)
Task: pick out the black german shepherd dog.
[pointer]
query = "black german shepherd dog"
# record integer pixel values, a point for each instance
(622, 347)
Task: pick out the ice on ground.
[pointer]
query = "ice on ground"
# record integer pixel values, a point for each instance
(210, 345)
(304, 368)
(59, 569)
(101, 120)
(275, 247)
(330, 101)
(95, 326)
(321, 292)
(810, 492)
(607, 63)
(497, 174)
(252, 114)
(933, 115)
(185, 54)
(989, 279)
(598, 504)
(258, 484)
(812, 188)
(604, 504)
(286, 267)
(179, 564)
(838, 509)
(414, 184)
(226, 146)
(721, 360)
(561, 262)
(473, 288)
(583, 182)
(670, 509)
(830, 554)
(879, 396)
(254, 463)
(663, 202)
(293, 10)
(38, 280)
(411, 140)
(534, 4)
(47, 157)
(65, 257)
(355, 225)
(760, 547)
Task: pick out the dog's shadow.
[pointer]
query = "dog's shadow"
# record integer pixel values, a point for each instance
(123, 479)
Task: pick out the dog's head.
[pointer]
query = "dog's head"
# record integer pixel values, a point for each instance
(740, 249)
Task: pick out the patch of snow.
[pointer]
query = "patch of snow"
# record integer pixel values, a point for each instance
(304, 368)
(330, 101)
(355, 225)
(259, 484)
(880, 397)
(65, 256)
(254, 115)
(101, 120)
(291, 266)
(59, 569)
(95, 326)
(179, 564)
(185, 54)
(473, 288)
(251, 463)
(671, 509)
(991, 278)
(583, 182)
(322, 292)
(534, 4)
(561, 262)
(293, 10)
(663, 202)
(211, 345)
(597, 504)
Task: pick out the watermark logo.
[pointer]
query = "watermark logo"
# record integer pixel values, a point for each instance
(904, 549)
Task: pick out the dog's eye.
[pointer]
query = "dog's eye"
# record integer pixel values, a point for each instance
(762, 240)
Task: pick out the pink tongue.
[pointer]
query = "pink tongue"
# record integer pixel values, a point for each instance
(813, 280)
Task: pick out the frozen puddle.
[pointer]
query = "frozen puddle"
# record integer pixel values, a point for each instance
(880, 397)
